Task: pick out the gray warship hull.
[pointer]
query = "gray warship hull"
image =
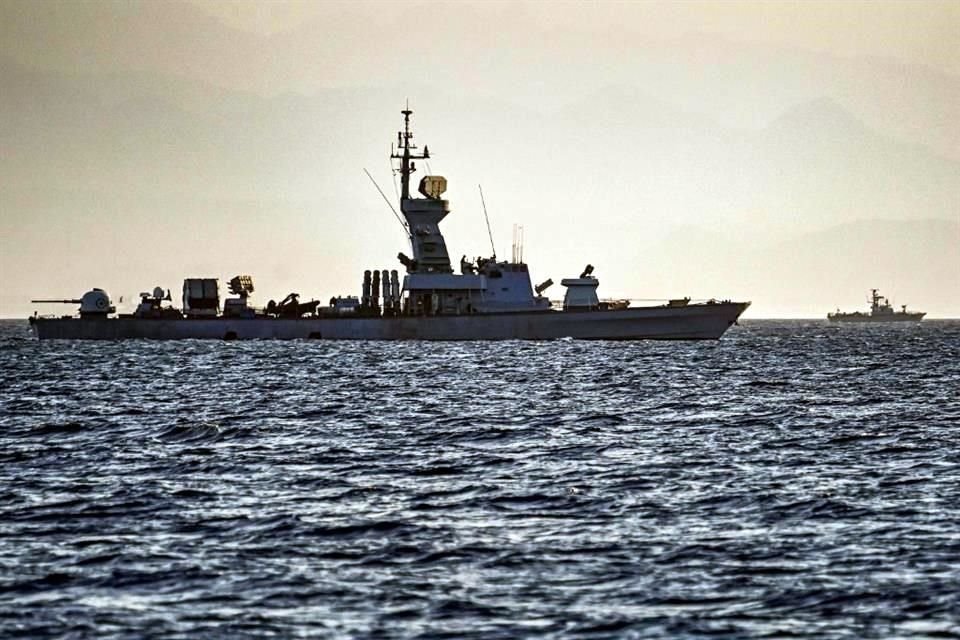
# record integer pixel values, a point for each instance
(692, 322)
(873, 319)
(880, 312)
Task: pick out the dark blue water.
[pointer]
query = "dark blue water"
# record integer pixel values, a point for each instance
(793, 479)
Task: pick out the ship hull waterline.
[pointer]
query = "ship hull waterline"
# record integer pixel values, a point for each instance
(898, 318)
(693, 322)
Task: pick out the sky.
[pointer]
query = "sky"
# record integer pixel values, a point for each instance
(795, 154)
(916, 33)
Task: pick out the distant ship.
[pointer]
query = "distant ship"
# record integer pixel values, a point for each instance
(880, 311)
(489, 299)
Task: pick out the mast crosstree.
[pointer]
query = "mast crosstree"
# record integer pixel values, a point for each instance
(404, 154)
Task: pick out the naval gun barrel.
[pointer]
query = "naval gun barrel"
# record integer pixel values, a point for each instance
(56, 301)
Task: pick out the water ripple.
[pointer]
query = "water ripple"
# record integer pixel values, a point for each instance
(791, 480)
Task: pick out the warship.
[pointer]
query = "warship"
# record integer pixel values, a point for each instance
(489, 299)
(880, 311)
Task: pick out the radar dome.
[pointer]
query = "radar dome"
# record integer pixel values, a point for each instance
(433, 186)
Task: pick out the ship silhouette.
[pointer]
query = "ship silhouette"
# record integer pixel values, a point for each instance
(880, 311)
(489, 299)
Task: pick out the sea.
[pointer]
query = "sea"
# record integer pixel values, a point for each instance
(794, 479)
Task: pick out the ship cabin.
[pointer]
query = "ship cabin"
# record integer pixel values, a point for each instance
(490, 287)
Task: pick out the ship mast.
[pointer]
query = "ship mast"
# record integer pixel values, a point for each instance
(423, 215)
(405, 156)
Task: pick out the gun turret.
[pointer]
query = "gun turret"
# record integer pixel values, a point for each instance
(94, 303)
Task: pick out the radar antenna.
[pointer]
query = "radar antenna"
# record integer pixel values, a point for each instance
(517, 244)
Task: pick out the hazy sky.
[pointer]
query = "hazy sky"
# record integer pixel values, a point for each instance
(685, 148)
(914, 32)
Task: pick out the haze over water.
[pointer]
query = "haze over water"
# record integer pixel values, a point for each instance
(792, 479)
(795, 155)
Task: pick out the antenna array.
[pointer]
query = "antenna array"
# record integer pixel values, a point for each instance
(487, 218)
(517, 244)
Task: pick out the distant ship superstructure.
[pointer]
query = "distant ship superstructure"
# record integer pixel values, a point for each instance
(488, 299)
(880, 311)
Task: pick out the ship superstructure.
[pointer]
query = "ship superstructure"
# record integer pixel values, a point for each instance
(431, 286)
(880, 311)
(488, 299)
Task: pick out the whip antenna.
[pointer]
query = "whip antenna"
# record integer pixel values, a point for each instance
(387, 200)
(487, 218)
